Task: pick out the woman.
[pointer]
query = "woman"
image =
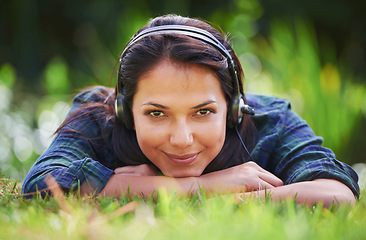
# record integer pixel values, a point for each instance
(178, 119)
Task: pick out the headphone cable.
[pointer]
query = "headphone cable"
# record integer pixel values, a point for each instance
(242, 143)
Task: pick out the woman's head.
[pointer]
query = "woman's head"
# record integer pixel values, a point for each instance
(147, 52)
(190, 59)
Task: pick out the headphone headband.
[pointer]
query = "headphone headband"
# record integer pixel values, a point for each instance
(190, 31)
(194, 32)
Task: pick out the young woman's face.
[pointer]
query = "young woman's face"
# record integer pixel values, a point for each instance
(179, 114)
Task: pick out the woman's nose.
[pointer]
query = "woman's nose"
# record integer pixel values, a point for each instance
(181, 135)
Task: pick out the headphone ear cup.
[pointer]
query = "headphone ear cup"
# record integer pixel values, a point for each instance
(118, 107)
(235, 116)
(238, 109)
(123, 112)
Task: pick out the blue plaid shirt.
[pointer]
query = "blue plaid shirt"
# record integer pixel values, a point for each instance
(286, 146)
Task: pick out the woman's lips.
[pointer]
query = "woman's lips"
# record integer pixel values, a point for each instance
(185, 159)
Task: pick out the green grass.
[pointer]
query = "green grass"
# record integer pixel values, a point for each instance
(171, 217)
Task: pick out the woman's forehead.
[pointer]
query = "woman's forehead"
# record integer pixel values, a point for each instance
(167, 80)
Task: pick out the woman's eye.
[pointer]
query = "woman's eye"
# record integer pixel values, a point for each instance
(156, 114)
(204, 112)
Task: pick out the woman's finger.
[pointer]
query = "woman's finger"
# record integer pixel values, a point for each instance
(271, 179)
(127, 169)
(264, 185)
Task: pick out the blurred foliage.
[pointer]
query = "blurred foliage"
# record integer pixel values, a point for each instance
(300, 50)
(56, 78)
(329, 97)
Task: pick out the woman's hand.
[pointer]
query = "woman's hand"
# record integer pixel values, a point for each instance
(139, 170)
(246, 177)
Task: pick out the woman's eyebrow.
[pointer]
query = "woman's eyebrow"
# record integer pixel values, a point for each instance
(203, 104)
(155, 105)
(165, 107)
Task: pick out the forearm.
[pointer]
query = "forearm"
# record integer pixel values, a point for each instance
(120, 184)
(327, 191)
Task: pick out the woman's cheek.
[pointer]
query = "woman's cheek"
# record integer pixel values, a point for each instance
(217, 132)
(149, 136)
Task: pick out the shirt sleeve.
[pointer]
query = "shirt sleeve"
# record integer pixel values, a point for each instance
(71, 157)
(290, 149)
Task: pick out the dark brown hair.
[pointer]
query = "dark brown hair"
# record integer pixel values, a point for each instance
(150, 51)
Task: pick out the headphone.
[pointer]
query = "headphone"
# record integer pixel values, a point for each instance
(238, 107)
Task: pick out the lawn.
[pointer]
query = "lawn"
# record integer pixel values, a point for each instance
(172, 217)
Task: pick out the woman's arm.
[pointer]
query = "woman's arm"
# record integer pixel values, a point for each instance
(326, 191)
(72, 157)
(248, 178)
(145, 186)
(142, 180)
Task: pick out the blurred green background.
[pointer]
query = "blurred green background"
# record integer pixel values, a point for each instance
(311, 52)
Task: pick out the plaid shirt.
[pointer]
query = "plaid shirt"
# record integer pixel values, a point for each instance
(286, 146)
